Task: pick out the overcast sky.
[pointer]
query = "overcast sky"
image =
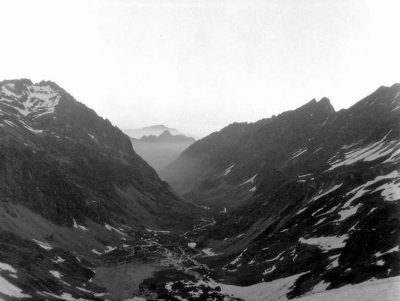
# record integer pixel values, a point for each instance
(200, 65)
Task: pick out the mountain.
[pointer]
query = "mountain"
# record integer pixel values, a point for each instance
(221, 169)
(155, 130)
(72, 187)
(161, 150)
(303, 204)
(312, 197)
(165, 136)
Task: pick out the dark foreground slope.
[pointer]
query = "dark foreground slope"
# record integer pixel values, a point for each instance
(326, 208)
(70, 184)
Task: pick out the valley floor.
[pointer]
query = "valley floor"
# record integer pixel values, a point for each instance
(168, 267)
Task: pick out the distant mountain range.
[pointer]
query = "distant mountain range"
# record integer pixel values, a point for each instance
(154, 130)
(161, 150)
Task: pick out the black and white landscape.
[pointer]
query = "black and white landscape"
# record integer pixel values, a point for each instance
(187, 150)
(293, 205)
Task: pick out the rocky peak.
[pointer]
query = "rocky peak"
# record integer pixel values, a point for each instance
(166, 134)
(323, 106)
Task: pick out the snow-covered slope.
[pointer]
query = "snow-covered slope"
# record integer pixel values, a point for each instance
(33, 101)
(383, 289)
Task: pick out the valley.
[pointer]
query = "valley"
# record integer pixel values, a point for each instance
(292, 206)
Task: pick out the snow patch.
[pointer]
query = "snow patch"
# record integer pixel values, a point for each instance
(388, 190)
(58, 259)
(76, 226)
(367, 153)
(275, 258)
(209, 252)
(64, 296)
(7, 267)
(270, 270)
(11, 290)
(55, 274)
(96, 252)
(158, 231)
(192, 245)
(346, 213)
(109, 249)
(43, 245)
(251, 180)
(111, 228)
(326, 243)
(323, 193)
(228, 170)
(298, 153)
(236, 260)
(395, 249)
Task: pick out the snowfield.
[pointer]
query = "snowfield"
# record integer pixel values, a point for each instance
(383, 290)
(264, 291)
(387, 289)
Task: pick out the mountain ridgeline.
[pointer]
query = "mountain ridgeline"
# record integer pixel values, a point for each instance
(72, 187)
(225, 168)
(310, 192)
(288, 206)
(89, 166)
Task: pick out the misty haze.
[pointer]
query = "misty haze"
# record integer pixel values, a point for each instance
(200, 150)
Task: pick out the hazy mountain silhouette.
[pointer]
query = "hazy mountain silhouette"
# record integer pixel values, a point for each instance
(155, 130)
(161, 150)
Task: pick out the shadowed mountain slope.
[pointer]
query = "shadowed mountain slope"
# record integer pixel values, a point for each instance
(324, 201)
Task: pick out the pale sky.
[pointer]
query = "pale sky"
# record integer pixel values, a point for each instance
(199, 65)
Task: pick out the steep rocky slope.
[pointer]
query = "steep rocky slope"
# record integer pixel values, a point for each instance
(63, 161)
(72, 187)
(225, 168)
(221, 169)
(325, 208)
